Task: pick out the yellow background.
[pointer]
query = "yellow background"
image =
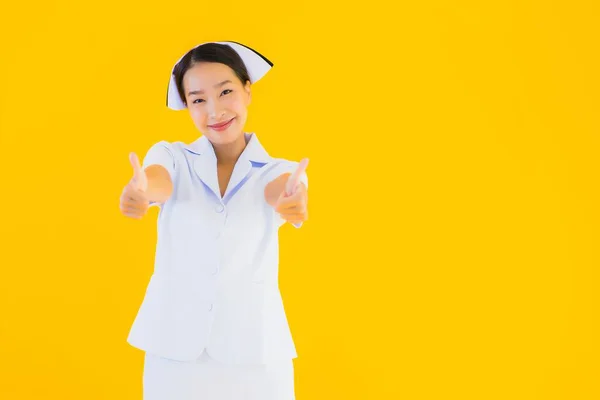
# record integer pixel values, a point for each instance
(452, 247)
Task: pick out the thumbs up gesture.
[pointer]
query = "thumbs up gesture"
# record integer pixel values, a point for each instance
(134, 202)
(292, 201)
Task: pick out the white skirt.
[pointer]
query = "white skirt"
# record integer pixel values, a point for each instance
(206, 379)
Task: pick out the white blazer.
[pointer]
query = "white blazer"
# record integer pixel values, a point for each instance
(215, 281)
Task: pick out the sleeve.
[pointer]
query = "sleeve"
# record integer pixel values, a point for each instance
(289, 167)
(162, 154)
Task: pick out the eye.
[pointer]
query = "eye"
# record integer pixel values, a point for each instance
(226, 90)
(197, 101)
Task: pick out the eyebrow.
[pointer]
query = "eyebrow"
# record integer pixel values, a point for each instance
(202, 91)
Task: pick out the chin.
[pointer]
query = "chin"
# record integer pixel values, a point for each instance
(225, 137)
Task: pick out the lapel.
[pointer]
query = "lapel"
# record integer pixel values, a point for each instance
(205, 162)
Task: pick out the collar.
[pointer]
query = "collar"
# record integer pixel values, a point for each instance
(254, 151)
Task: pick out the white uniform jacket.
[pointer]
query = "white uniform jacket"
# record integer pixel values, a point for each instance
(215, 279)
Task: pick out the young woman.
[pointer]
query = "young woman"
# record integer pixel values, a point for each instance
(212, 322)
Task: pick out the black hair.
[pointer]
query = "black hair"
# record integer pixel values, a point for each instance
(210, 52)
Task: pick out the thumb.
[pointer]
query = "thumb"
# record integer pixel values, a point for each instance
(139, 176)
(294, 179)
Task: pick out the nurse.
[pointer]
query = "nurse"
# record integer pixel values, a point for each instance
(212, 322)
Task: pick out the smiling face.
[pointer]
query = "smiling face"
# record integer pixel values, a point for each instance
(217, 101)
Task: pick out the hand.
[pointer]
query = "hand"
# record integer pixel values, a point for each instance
(292, 202)
(134, 202)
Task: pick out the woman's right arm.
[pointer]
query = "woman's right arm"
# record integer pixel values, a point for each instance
(160, 186)
(151, 184)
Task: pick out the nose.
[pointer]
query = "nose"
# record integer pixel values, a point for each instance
(215, 111)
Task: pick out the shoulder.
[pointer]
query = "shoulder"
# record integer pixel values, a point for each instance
(167, 154)
(280, 166)
(178, 147)
(164, 149)
(277, 166)
(283, 164)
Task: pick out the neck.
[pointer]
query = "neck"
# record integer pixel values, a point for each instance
(228, 154)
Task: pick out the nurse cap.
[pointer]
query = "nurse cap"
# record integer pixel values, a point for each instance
(256, 64)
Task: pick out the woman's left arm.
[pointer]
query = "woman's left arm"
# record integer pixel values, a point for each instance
(289, 196)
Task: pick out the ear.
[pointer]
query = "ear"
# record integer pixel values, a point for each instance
(248, 90)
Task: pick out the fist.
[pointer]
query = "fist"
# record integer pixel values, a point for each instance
(134, 202)
(292, 203)
(293, 208)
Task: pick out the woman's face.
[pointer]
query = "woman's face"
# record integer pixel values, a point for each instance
(215, 96)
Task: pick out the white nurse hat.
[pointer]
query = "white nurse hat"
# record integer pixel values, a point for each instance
(256, 64)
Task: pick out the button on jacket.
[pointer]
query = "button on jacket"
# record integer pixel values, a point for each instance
(215, 281)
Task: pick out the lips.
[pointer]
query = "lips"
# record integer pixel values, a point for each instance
(222, 125)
